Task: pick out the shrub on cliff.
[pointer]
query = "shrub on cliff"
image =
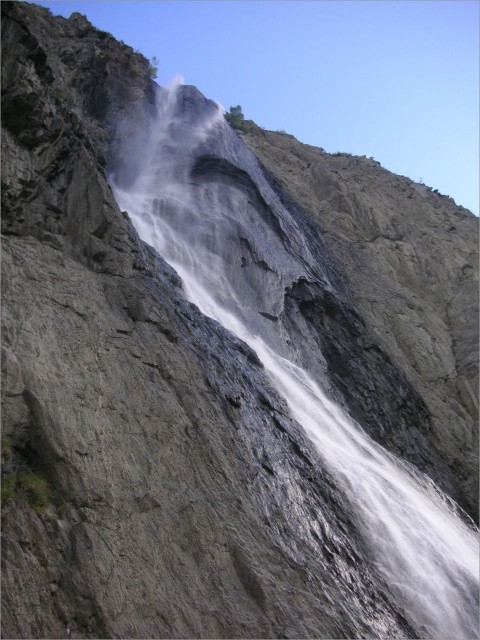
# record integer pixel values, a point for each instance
(153, 67)
(32, 486)
(236, 117)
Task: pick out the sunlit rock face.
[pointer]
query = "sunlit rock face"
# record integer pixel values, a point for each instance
(184, 500)
(409, 256)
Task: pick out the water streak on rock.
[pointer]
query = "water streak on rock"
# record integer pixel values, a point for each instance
(198, 196)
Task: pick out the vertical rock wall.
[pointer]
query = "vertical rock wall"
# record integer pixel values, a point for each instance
(409, 258)
(154, 484)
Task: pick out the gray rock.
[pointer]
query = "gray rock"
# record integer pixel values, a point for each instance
(409, 258)
(183, 499)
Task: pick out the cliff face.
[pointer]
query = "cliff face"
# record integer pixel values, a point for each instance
(409, 257)
(180, 497)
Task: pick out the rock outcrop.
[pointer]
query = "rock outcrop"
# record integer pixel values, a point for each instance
(409, 258)
(155, 484)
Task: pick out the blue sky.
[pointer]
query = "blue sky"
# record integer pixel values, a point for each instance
(394, 80)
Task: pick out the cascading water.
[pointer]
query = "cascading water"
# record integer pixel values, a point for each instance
(214, 233)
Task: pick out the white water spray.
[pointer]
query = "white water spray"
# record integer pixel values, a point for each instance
(425, 552)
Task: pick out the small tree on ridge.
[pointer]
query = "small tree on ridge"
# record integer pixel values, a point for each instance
(235, 117)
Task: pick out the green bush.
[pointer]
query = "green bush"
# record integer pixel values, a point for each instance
(6, 447)
(153, 68)
(36, 489)
(8, 488)
(31, 485)
(236, 117)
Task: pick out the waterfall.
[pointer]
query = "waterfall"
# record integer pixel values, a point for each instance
(212, 233)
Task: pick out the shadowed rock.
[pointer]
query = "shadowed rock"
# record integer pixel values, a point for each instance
(184, 500)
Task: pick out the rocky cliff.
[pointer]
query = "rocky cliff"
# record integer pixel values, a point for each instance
(154, 482)
(409, 257)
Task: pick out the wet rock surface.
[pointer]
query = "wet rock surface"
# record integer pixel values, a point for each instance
(303, 296)
(409, 260)
(183, 500)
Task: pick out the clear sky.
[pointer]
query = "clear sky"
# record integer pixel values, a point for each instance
(398, 81)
